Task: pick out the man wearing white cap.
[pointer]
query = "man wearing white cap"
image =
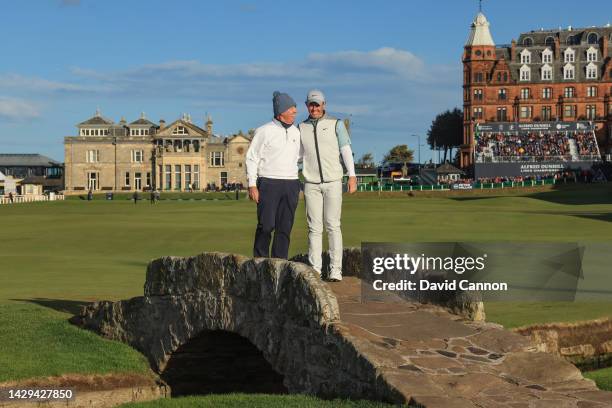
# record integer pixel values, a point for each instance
(324, 139)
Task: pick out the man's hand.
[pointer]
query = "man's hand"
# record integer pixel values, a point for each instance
(254, 194)
(352, 184)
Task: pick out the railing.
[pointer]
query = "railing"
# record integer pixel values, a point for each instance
(18, 199)
(474, 186)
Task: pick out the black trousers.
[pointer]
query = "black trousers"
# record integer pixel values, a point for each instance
(278, 200)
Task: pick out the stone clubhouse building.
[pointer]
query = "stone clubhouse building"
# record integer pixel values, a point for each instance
(142, 155)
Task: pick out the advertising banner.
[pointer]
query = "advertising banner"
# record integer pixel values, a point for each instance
(488, 170)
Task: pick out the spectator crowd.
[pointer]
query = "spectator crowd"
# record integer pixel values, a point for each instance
(537, 146)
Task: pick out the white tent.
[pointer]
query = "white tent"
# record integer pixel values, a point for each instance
(2, 176)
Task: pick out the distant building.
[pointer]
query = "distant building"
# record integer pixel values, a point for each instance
(546, 75)
(143, 155)
(47, 172)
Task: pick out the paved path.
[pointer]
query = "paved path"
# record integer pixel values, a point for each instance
(437, 359)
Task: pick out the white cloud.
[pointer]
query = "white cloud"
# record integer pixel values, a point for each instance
(17, 109)
(388, 91)
(15, 81)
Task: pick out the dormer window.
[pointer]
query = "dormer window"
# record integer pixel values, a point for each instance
(139, 132)
(180, 130)
(528, 42)
(592, 54)
(592, 38)
(547, 56)
(546, 72)
(525, 57)
(569, 55)
(591, 71)
(525, 73)
(569, 71)
(94, 132)
(549, 41)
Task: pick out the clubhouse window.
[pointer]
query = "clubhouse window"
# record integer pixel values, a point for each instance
(139, 132)
(502, 94)
(177, 177)
(478, 94)
(592, 91)
(525, 112)
(168, 184)
(127, 178)
(93, 156)
(525, 93)
(591, 71)
(216, 159)
(477, 113)
(196, 176)
(187, 176)
(568, 72)
(546, 93)
(569, 92)
(223, 178)
(137, 156)
(569, 111)
(591, 112)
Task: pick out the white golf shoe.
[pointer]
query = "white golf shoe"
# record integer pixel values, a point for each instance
(334, 275)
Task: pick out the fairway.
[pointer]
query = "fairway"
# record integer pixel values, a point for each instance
(77, 251)
(61, 255)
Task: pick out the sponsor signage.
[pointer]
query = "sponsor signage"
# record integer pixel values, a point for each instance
(527, 168)
(534, 127)
(461, 186)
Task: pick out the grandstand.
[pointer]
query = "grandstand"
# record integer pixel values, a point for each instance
(518, 149)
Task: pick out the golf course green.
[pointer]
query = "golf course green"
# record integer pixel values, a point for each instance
(57, 256)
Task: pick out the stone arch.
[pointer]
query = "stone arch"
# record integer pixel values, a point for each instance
(293, 318)
(281, 307)
(220, 362)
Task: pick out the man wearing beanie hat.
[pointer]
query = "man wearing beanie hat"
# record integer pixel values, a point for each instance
(272, 173)
(324, 140)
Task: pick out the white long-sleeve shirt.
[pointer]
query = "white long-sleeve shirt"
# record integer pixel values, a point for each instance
(273, 153)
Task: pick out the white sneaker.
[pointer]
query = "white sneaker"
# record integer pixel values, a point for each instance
(334, 276)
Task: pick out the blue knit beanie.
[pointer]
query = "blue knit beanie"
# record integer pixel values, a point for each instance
(281, 102)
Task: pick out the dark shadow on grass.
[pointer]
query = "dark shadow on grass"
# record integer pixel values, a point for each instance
(589, 215)
(72, 307)
(473, 198)
(599, 217)
(577, 194)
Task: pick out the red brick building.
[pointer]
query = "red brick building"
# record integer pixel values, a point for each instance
(545, 75)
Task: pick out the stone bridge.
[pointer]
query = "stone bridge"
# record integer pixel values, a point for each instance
(319, 338)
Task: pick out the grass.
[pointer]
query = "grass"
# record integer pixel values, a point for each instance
(254, 401)
(38, 342)
(603, 378)
(56, 256)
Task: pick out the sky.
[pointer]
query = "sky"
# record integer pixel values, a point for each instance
(389, 66)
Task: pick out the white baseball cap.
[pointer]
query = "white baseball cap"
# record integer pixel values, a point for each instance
(316, 96)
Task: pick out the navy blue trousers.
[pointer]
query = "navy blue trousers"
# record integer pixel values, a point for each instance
(278, 200)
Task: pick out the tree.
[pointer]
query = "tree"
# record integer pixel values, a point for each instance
(399, 153)
(446, 132)
(366, 161)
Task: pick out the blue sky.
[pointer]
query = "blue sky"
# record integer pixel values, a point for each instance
(390, 65)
